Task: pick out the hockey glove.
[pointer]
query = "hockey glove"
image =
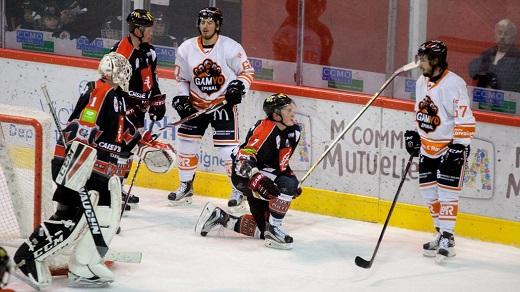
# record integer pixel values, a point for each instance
(298, 192)
(135, 105)
(234, 92)
(182, 105)
(157, 107)
(264, 186)
(455, 157)
(244, 166)
(412, 142)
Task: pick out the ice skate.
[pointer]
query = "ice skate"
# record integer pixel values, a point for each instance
(275, 237)
(133, 201)
(76, 281)
(183, 196)
(446, 247)
(209, 218)
(430, 248)
(237, 202)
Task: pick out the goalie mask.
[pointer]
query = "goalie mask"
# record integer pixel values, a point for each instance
(116, 67)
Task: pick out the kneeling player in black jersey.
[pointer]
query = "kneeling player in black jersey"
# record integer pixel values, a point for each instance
(261, 171)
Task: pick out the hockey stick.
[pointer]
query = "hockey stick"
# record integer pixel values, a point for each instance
(86, 203)
(360, 262)
(405, 68)
(53, 113)
(133, 257)
(139, 152)
(207, 110)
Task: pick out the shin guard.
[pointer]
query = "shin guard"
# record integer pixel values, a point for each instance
(86, 268)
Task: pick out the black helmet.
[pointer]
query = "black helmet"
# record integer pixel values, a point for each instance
(213, 13)
(434, 49)
(140, 18)
(275, 102)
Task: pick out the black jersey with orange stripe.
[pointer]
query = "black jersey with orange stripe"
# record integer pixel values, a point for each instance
(99, 120)
(143, 83)
(268, 147)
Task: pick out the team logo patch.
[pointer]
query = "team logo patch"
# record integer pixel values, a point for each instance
(89, 116)
(208, 76)
(426, 116)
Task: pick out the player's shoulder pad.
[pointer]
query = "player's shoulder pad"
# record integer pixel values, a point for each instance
(114, 47)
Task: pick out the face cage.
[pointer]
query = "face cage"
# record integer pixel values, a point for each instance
(123, 74)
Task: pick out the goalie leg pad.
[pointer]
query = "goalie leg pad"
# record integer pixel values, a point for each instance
(86, 268)
(50, 238)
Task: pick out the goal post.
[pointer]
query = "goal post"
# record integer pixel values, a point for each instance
(25, 172)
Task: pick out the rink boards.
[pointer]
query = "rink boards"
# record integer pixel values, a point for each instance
(359, 177)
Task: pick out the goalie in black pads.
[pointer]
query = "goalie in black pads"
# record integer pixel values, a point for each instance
(261, 171)
(87, 169)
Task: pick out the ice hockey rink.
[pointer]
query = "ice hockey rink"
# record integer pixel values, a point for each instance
(177, 259)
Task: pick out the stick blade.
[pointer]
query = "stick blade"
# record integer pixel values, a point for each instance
(361, 262)
(410, 66)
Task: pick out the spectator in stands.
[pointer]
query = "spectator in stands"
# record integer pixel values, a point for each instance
(499, 67)
(318, 38)
(51, 20)
(160, 32)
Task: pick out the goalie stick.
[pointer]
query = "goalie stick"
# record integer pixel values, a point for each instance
(361, 262)
(404, 68)
(134, 257)
(88, 208)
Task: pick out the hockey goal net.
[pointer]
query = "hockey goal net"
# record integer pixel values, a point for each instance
(26, 185)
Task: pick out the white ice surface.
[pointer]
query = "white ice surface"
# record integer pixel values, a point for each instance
(177, 259)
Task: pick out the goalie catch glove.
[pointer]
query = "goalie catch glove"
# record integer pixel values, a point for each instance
(159, 157)
(234, 92)
(182, 104)
(157, 107)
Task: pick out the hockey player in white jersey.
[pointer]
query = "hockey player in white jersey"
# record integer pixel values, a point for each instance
(445, 127)
(211, 68)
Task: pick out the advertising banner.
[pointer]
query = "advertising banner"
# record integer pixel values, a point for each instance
(369, 160)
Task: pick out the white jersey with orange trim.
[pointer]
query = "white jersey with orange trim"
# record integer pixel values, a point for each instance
(204, 73)
(443, 113)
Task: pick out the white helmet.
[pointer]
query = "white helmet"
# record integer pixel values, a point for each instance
(116, 67)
